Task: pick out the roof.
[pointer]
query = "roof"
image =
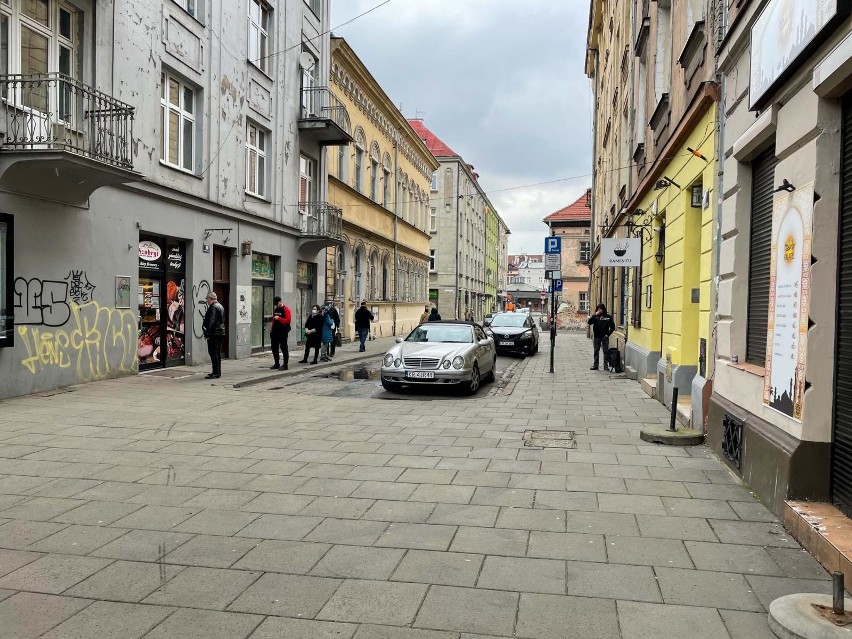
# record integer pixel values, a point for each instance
(437, 146)
(580, 210)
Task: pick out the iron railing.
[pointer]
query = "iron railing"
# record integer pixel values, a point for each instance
(319, 103)
(320, 219)
(52, 111)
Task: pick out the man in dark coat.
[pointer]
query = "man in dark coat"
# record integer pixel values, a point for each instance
(279, 331)
(214, 331)
(602, 327)
(363, 317)
(434, 316)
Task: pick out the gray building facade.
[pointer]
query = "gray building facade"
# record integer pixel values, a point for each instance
(153, 152)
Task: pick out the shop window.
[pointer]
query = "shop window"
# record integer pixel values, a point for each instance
(7, 313)
(258, 36)
(177, 110)
(256, 142)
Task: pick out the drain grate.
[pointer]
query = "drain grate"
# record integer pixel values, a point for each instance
(550, 439)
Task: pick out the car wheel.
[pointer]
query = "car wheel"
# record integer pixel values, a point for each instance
(392, 387)
(492, 376)
(475, 380)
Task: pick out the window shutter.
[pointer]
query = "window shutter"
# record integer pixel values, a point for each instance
(760, 255)
(221, 264)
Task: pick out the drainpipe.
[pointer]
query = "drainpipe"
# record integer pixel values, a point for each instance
(395, 231)
(720, 179)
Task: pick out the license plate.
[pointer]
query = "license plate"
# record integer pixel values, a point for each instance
(507, 343)
(420, 375)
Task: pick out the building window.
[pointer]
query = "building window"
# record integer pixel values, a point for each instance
(256, 140)
(307, 182)
(7, 312)
(359, 273)
(177, 109)
(188, 5)
(585, 251)
(374, 180)
(359, 168)
(431, 260)
(433, 220)
(434, 186)
(663, 69)
(258, 37)
(385, 279)
(343, 163)
(584, 302)
(316, 7)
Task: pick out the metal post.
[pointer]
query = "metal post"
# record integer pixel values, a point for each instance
(674, 410)
(552, 324)
(837, 592)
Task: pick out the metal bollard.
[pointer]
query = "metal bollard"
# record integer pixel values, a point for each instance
(837, 592)
(674, 411)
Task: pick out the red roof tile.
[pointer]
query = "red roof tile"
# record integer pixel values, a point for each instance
(579, 210)
(438, 148)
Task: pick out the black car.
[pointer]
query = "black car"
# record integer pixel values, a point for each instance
(514, 333)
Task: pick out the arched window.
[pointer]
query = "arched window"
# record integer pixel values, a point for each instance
(375, 154)
(359, 273)
(340, 284)
(403, 207)
(360, 146)
(387, 182)
(385, 278)
(374, 276)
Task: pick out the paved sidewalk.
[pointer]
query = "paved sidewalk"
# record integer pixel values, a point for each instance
(174, 509)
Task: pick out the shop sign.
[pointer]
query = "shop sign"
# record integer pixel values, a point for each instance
(262, 266)
(620, 251)
(176, 258)
(789, 302)
(782, 35)
(150, 256)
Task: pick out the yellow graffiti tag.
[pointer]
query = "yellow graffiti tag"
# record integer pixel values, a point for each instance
(97, 342)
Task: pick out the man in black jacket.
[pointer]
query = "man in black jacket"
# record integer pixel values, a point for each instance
(434, 316)
(363, 317)
(602, 327)
(214, 332)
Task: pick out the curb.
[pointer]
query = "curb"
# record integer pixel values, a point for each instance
(298, 372)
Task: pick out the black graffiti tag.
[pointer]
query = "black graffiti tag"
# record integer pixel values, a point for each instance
(81, 292)
(199, 298)
(41, 302)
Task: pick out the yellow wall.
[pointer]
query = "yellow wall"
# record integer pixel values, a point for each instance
(689, 239)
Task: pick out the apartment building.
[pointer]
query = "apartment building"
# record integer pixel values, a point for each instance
(152, 153)
(573, 224)
(381, 182)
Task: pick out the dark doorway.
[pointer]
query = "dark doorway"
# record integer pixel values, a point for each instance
(222, 288)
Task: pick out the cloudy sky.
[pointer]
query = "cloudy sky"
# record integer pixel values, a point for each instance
(500, 81)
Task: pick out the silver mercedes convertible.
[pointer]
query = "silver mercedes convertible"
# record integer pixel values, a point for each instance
(451, 353)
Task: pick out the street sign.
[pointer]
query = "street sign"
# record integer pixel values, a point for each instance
(552, 245)
(552, 261)
(619, 251)
(553, 275)
(543, 294)
(557, 286)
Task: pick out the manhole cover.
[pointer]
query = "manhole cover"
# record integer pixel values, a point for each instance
(550, 439)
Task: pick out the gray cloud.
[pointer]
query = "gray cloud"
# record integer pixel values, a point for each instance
(501, 82)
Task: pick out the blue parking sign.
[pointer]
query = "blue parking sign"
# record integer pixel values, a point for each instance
(557, 286)
(552, 245)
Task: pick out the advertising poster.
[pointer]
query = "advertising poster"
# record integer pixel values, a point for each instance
(789, 296)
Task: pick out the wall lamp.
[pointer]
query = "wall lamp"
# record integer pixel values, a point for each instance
(660, 255)
(785, 186)
(664, 183)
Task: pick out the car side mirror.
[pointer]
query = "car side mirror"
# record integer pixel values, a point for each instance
(484, 342)
(399, 340)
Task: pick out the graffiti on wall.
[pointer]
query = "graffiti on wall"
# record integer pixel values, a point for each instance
(41, 302)
(199, 298)
(96, 342)
(79, 287)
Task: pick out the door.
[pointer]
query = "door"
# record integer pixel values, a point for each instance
(841, 464)
(222, 288)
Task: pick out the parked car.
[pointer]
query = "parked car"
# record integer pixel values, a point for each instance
(486, 322)
(447, 353)
(525, 310)
(514, 333)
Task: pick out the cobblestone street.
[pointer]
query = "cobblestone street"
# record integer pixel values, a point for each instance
(176, 508)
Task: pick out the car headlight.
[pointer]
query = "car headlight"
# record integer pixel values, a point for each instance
(527, 335)
(388, 361)
(489, 332)
(458, 362)
(397, 362)
(446, 364)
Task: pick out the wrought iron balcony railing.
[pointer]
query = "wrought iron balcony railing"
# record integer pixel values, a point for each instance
(320, 219)
(319, 103)
(52, 111)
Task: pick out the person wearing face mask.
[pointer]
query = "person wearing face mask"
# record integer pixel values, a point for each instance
(327, 332)
(313, 334)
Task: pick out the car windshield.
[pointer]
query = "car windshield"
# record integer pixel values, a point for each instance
(441, 333)
(509, 320)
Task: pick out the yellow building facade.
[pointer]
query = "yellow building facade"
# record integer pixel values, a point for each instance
(381, 182)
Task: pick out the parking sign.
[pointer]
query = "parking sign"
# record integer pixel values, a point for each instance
(557, 286)
(552, 245)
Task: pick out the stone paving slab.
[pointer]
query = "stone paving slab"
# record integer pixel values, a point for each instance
(317, 509)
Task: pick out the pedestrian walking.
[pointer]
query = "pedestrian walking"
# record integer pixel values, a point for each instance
(425, 317)
(602, 327)
(434, 316)
(313, 334)
(363, 317)
(279, 332)
(327, 335)
(214, 332)
(335, 317)
(468, 316)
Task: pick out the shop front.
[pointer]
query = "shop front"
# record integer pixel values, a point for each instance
(162, 309)
(262, 293)
(304, 296)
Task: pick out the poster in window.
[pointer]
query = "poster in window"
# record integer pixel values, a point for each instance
(789, 297)
(175, 320)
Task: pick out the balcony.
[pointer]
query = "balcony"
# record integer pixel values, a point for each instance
(321, 227)
(324, 118)
(644, 29)
(62, 138)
